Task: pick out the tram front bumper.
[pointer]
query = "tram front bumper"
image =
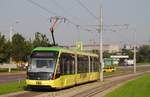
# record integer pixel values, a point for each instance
(39, 82)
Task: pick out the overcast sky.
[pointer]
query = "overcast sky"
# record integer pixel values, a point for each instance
(31, 18)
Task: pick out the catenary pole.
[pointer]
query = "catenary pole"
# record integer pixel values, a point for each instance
(101, 44)
(134, 58)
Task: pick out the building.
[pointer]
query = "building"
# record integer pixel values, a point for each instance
(111, 48)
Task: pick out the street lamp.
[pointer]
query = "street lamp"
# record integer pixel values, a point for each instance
(10, 36)
(134, 57)
(101, 44)
(11, 30)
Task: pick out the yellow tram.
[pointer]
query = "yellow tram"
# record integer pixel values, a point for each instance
(58, 67)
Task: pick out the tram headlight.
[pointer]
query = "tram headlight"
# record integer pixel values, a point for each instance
(50, 76)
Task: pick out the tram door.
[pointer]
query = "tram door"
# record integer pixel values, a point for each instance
(67, 69)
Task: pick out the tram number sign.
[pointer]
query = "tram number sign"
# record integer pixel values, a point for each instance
(38, 83)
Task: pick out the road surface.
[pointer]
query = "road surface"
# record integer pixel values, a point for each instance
(11, 77)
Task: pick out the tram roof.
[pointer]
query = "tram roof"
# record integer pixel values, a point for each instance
(47, 49)
(63, 49)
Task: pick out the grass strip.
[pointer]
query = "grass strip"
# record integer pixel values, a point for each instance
(12, 87)
(136, 88)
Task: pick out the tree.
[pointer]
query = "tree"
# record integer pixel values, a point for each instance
(4, 49)
(106, 54)
(40, 40)
(18, 47)
(28, 49)
(127, 52)
(143, 55)
(8, 51)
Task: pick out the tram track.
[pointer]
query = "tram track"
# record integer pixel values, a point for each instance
(23, 94)
(101, 88)
(86, 90)
(123, 78)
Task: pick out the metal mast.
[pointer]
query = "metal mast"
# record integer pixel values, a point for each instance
(134, 58)
(101, 44)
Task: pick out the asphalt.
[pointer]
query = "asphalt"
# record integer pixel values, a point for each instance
(11, 77)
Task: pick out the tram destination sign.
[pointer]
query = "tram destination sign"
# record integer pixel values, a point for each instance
(44, 54)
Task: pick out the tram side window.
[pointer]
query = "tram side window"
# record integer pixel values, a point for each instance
(83, 64)
(95, 64)
(91, 64)
(67, 64)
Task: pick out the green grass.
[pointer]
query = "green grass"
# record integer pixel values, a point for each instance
(12, 87)
(144, 63)
(139, 87)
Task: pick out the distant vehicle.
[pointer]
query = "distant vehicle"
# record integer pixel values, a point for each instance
(129, 62)
(58, 67)
(109, 69)
(109, 65)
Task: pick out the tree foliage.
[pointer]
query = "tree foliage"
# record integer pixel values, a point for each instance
(40, 40)
(4, 49)
(127, 52)
(18, 47)
(143, 55)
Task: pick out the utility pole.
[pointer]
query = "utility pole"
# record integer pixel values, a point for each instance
(101, 44)
(10, 38)
(11, 31)
(134, 58)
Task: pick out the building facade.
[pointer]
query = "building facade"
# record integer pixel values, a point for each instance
(110, 48)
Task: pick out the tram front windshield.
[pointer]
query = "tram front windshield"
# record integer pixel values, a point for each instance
(43, 62)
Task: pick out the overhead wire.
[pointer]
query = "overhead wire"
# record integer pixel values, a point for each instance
(56, 3)
(54, 13)
(48, 11)
(90, 13)
(88, 10)
(65, 11)
(82, 5)
(59, 6)
(77, 25)
(40, 6)
(51, 12)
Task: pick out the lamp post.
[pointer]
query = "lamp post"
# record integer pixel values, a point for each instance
(11, 30)
(101, 44)
(10, 36)
(10, 33)
(134, 57)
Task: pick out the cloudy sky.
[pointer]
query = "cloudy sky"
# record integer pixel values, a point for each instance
(34, 15)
